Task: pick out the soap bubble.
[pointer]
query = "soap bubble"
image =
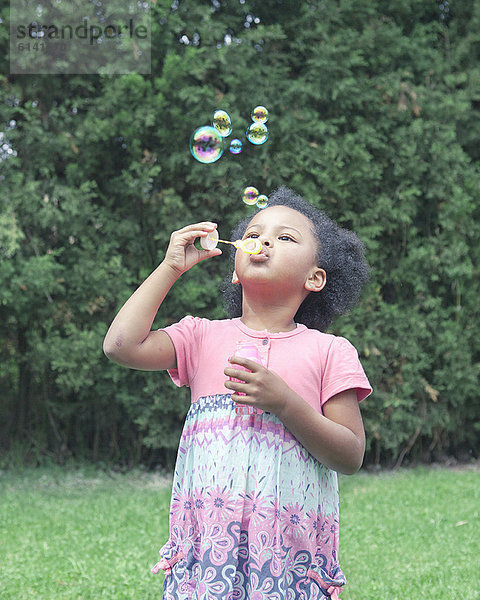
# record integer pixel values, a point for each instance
(222, 123)
(262, 201)
(206, 144)
(235, 146)
(250, 195)
(259, 114)
(257, 133)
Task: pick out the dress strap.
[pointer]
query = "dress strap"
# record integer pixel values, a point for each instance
(166, 564)
(332, 590)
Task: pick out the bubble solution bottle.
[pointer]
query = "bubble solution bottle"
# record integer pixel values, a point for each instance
(248, 350)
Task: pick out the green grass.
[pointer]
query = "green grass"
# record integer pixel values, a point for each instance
(81, 535)
(411, 535)
(85, 534)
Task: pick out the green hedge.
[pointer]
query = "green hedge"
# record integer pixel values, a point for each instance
(374, 118)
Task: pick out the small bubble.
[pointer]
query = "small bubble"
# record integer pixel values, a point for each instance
(262, 201)
(259, 114)
(250, 195)
(222, 122)
(235, 146)
(257, 133)
(206, 144)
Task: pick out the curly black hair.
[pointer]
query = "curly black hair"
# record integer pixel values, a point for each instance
(340, 253)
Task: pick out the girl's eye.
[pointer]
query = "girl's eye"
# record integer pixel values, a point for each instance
(286, 237)
(252, 235)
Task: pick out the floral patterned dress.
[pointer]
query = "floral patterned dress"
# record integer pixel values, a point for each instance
(253, 515)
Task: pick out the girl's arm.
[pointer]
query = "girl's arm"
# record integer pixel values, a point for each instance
(335, 438)
(129, 341)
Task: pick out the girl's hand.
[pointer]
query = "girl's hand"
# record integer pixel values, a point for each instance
(181, 253)
(264, 389)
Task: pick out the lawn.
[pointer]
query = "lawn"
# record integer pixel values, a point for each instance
(411, 534)
(85, 534)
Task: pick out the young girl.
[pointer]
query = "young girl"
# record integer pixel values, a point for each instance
(254, 508)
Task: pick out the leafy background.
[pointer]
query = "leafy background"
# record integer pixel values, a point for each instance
(374, 118)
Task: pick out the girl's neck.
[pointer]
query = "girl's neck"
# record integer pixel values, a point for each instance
(273, 319)
(270, 307)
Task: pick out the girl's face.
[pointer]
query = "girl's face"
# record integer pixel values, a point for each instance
(288, 254)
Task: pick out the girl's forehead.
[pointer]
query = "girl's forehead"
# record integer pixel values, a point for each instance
(282, 215)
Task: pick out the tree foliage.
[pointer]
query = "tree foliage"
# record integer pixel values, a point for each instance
(374, 118)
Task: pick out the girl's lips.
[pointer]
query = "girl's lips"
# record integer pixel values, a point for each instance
(260, 257)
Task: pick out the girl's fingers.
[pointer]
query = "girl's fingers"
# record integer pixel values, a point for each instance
(182, 253)
(249, 364)
(235, 387)
(202, 224)
(205, 227)
(189, 235)
(241, 400)
(209, 253)
(236, 373)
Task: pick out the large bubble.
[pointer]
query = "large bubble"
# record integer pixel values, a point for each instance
(257, 133)
(250, 195)
(206, 144)
(222, 123)
(259, 114)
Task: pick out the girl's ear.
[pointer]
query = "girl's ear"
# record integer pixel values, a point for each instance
(235, 279)
(316, 280)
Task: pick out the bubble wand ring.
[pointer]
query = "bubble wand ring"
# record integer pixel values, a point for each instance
(249, 246)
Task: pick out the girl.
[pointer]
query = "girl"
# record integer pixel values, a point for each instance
(254, 508)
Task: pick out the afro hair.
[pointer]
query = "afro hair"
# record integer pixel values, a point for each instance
(340, 253)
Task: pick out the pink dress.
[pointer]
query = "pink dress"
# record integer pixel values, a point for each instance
(253, 515)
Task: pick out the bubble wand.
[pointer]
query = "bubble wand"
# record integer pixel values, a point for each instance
(249, 246)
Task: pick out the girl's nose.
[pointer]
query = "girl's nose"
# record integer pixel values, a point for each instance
(265, 241)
